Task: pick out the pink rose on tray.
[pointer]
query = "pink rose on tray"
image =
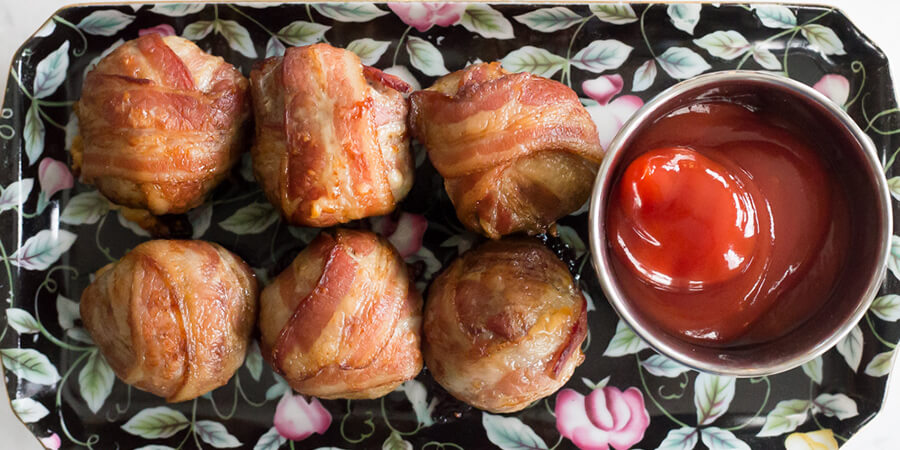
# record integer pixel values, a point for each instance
(296, 419)
(609, 115)
(54, 176)
(405, 233)
(835, 87)
(606, 417)
(162, 29)
(423, 16)
(52, 442)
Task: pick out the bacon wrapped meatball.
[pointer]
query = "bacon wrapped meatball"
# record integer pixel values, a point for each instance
(504, 325)
(344, 320)
(516, 151)
(331, 141)
(160, 124)
(173, 317)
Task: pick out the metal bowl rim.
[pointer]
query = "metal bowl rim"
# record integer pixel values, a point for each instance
(602, 185)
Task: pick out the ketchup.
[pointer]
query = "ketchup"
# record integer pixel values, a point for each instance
(725, 226)
(670, 198)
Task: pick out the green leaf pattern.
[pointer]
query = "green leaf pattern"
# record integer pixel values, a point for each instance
(29, 410)
(661, 366)
(813, 369)
(33, 133)
(42, 249)
(724, 44)
(712, 396)
(198, 30)
(682, 63)
(349, 12)
(85, 208)
(618, 14)
(488, 22)
(368, 50)
(602, 55)
(51, 71)
(775, 16)
(95, 381)
(823, 39)
(684, 16)
(684, 438)
(887, 307)
(644, 76)
(215, 434)
(510, 433)
(836, 405)
(715, 438)
(105, 23)
(22, 321)
(67, 312)
(423, 55)
(238, 37)
(177, 9)
(535, 60)
(300, 33)
(851, 347)
(785, 417)
(29, 364)
(880, 365)
(253, 361)
(270, 440)
(251, 219)
(548, 20)
(155, 423)
(624, 342)
(15, 194)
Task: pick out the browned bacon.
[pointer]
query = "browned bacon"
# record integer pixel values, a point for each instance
(344, 320)
(160, 124)
(504, 324)
(332, 144)
(173, 317)
(516, 151)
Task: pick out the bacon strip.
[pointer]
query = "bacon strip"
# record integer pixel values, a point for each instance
(171, 69)
(573, 342)
(386, 80)
(344, 319)
(173, 317)
(313, 313)
(482, 124)
(157, 115)
(318, 306)
(504, 324)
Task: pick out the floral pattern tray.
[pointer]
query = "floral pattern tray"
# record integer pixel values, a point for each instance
(54, 232)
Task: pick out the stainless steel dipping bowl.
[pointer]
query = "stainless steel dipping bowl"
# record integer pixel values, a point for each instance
(852, 294)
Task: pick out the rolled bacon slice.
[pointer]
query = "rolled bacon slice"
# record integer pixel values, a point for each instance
(344, 320)
(516, 151)
(173, 317)
(331, 136)
(160, 124)
(504, 325)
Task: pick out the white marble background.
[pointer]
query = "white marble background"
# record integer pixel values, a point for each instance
(877, 18)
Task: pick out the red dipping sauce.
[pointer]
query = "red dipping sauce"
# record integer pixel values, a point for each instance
(726, 226)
